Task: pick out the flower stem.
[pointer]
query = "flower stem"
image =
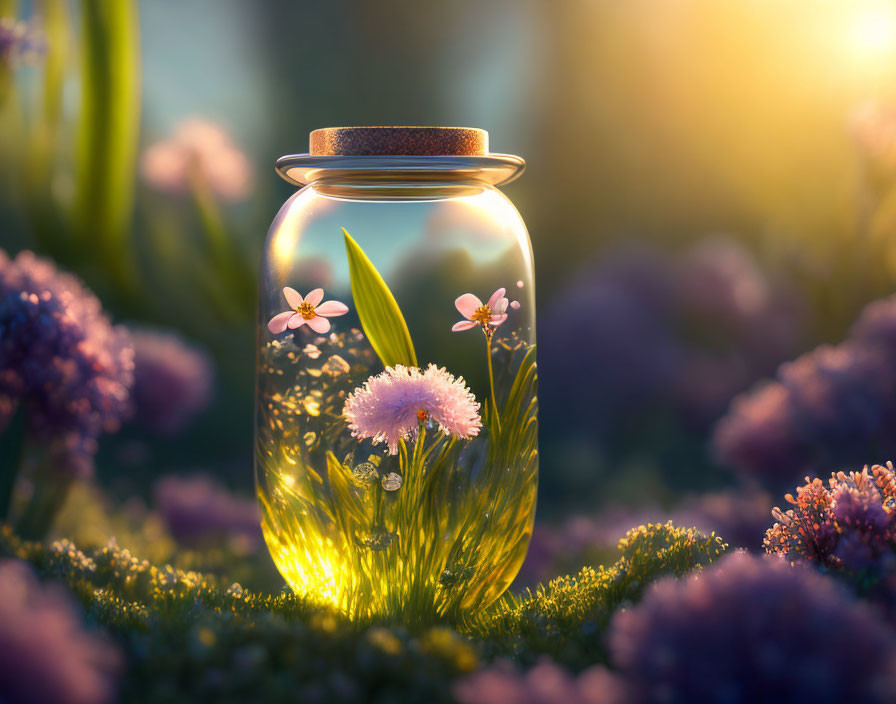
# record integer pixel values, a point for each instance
(491, 381)
(12, 450)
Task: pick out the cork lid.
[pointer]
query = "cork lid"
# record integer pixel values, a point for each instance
(399, 141)
(409, 152)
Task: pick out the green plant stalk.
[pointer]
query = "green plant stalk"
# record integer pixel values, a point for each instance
(12, 448)
(495, 413)
(50, 492)
(43, 137)
(107, 138)
(228, 273)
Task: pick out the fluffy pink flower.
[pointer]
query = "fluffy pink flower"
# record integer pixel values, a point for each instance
(487, 316)
(391, 405)
(308, 310)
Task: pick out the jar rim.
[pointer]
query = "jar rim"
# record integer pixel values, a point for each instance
(493, 169)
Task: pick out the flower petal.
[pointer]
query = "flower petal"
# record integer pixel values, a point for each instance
(463, 325)
(467, 305)
(319, 325)
(315, 296)
(500, 307)
(293, 297)
(331, 308)
(515, 305)
(277, 324)
(496, 320)
(496, 296)
(296, 321)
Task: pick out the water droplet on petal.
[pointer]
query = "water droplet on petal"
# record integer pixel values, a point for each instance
(392, 482)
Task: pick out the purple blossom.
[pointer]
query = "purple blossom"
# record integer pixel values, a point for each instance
(48, 657)
(197, 510)
(173, 380)
(391, 406)
(681, 335)
(833, 406)
(62, 359)
(545, 683)
(739, 516)
(753, 629)
(20, 41)
(847, 527)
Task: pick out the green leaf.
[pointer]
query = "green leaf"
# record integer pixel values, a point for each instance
(380, 315)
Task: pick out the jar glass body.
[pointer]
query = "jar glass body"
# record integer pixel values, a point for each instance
(391, 489)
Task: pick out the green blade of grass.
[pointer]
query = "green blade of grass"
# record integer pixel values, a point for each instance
(381, 318)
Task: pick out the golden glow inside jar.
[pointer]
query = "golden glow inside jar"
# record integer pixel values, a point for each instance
(396, 415)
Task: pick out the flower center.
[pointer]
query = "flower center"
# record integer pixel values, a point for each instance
(482, 315)
(306, 310)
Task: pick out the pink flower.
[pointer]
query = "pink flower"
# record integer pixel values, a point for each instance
(308, 310)
(488, 316)
(198, 148)
(391, 405)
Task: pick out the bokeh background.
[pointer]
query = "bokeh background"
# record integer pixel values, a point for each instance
(709, 195)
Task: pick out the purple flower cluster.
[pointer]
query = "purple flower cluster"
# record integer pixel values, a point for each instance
(647, 334)
(62, 359)
(48, 658)
(847, 527)
(545, 683)
(197, 510)
(831, 407)
(173, 380)
(753, 629)
(20, 41)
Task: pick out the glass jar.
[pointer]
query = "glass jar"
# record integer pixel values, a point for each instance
(396, 414)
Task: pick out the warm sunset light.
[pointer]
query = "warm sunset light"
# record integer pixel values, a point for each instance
(873, 32)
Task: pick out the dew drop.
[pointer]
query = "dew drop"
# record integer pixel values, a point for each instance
(365, 473)
(311, 351)
(336, 365)
(392, 482)
(379, 540)
(312, 407)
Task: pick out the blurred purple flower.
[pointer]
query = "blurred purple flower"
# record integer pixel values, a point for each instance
(62, 359)
(545, 683)
(199, 149)
(753, 629)
(682, 336)
(832, 406)
(48, 658)
(198, 510)
(558, 549)
(173, 381)
(739, 516)
(20, 41)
